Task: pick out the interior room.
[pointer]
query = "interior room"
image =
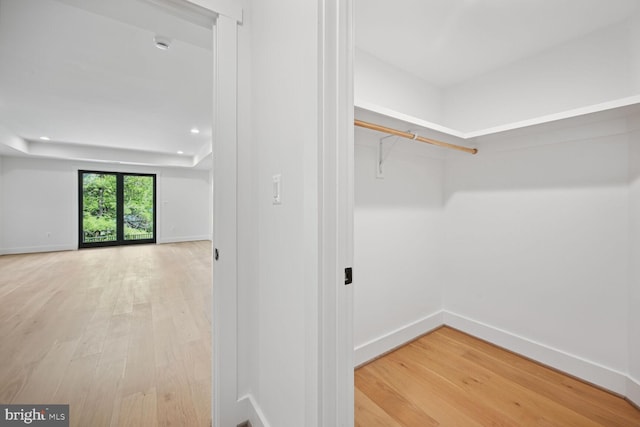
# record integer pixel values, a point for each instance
(516, 255)
(120, 333)
(530, 244)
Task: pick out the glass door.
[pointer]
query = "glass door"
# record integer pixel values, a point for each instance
(139, 207)
(116, 208)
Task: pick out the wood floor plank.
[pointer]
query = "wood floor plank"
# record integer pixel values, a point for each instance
(392, 401)
(447, 404)
(483, 386)
(370, 414)
(101, 398)
(93, 328)
(47, 374)
(449, 374)
(73, 390)
(603, 407)
(138, 410)
(572, 386)
(176, 406)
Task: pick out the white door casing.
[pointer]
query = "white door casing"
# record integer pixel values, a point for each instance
(334, 393)
(336, 354)
(226, 410)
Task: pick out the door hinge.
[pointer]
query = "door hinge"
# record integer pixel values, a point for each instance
(348, 275)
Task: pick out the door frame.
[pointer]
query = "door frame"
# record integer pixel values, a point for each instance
(120, 240)
(336, 174)
(227, 408)
(330, 393)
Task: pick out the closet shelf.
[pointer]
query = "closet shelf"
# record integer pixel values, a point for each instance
(596, 108)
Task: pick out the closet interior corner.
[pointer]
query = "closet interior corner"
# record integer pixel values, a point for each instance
(521, 225)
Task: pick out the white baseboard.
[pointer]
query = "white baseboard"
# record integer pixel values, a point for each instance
(183, 239)
(255, 414)
(586, 370)
(36, 249)
(633, 391)
(375, 348)
(74, 246)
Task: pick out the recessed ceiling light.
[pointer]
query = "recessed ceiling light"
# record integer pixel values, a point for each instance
(45, 138)
(180, 152)
(195, 131)
(162, 42)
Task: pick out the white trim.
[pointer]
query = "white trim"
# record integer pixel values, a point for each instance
(226, 409)
(181, 239)
(73, 247)
(37, 249)
(374, 108)
(330, 402)
(596, 108)
(226, 8)
(586, 370)
(579, 367)
(375, 348)
(255, 415)
(633, 391)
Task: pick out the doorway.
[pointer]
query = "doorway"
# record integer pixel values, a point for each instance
(116, 208)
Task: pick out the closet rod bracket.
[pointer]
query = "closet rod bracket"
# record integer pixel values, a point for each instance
(382, 156)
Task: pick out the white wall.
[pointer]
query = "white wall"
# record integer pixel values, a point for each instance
(398, 231)
(1, 200)
(247, 217)
(634, 283)
(40, 203)
(382, 84)
(635, 51)
(184, 208)
(599, 67)
(590, 70)
(39, 197)
(537, 245)
(284, 130)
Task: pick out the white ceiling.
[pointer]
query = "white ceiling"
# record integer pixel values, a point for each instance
(86, 73)
(449, 41)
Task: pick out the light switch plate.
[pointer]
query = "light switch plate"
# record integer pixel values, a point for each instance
(277, 189)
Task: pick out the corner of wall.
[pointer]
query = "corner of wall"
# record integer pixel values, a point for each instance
(397, 338)
(381, 83)
(633, 383)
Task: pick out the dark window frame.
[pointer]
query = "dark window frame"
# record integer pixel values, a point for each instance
(120, 240)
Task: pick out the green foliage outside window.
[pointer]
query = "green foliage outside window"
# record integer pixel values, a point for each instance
(99, 207)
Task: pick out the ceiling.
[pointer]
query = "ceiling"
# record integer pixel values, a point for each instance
(446, 42)
(87, 75)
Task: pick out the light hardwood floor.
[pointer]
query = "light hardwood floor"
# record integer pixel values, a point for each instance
(448, 378)
(122, 334)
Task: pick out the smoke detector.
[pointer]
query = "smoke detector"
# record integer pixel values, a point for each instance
(162, 42)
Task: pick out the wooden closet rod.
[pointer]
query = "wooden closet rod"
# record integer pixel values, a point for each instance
(413, 136)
